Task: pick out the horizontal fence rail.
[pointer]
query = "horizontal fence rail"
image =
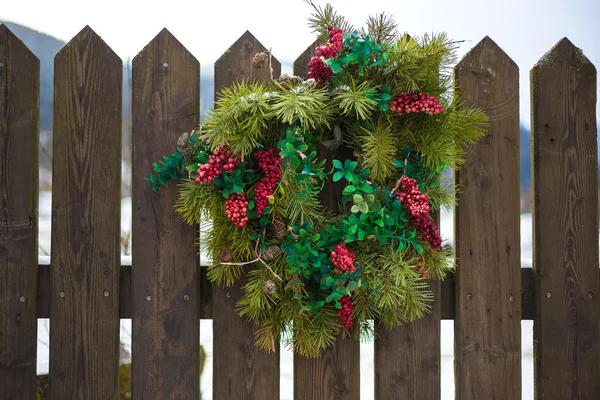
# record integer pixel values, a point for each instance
(86, 289)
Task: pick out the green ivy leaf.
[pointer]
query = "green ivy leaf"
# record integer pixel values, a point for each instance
(338, 175)
(349, 189)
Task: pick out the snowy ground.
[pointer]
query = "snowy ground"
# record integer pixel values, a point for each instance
(367, 349)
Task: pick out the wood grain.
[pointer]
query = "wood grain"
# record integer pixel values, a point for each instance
(241, 370)
(417, 345)
(301, 63)
(165, 337)
(86, 185)
(19, 137)
(487, 237)
(447, 295)
(565, 228)
(336, 373)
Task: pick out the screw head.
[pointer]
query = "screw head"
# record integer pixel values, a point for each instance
(62, 294)
(106, 294)
(469, 296)
(165, 65)
(186, 297)
(148, 298)
(591, 295)
(512, 298)
(228, 296)
(548, 294)
(22, 299)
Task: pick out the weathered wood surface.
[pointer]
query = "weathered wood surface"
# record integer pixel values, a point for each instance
(241, 370)
(19, 137)
(487, 237)
(165, 337)
(336, 373)
(565, 228)
(407, 358)
(86, 192)
(447, 298)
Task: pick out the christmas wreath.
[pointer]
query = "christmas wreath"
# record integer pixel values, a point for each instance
(253, 171)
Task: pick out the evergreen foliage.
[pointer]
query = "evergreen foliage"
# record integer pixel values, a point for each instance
(302, 260)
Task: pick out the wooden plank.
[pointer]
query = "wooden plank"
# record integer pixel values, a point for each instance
(336, 373)
(165, 337)
(487, 236)
(86, 189)
(565, 227)
(407, 357)
(528, 298)
(19, 137)
(301, 63)
(241, 370)
(417, 345)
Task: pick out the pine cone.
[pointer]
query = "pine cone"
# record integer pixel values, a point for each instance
(270, 287)
(225, 256)
(270, 253)
(279, 229)
(422, 269)
(184, 146)
(287, 81)
(260, 59)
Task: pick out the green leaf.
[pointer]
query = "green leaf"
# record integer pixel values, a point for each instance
(351, 286)
(357, 199)
(364, 208)
(329, 281)
(355, 208)
(338, 175)
(192, 167)
(352, 229)
(337, 164)
(418, 248)
(379, 222)
(349, 189)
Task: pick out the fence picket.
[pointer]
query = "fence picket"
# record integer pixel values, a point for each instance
(487, 238)
(565, 227)
(336, 373)
(417, 345)
(165, 337)
(86, 185)
(241, 370)
(19, 137)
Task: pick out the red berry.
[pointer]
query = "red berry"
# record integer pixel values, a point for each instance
(417, 205)
(233, 205)
(319, 71)
(268, 162)
(410, 102)
(345, 313)
(343, 258)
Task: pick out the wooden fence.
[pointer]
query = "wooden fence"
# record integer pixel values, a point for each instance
(85, 290)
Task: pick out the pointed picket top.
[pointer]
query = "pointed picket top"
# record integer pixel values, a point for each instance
(85, 41)
(163, 40)
(238, 63)
(301, 63)
(564, 53)
(16, 44)
(488, 77)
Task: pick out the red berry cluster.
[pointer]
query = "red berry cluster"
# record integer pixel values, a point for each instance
(345, 313)
(410, 102)
(220, 160)
(343, 258)
(319, 71)
(268, 162)
(334, 46)
(418, 206)
(236, 207)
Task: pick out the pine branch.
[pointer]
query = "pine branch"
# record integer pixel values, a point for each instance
(382, 29)
(324, 17)
(379, 150)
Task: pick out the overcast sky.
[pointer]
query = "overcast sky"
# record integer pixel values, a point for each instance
(525, 29)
